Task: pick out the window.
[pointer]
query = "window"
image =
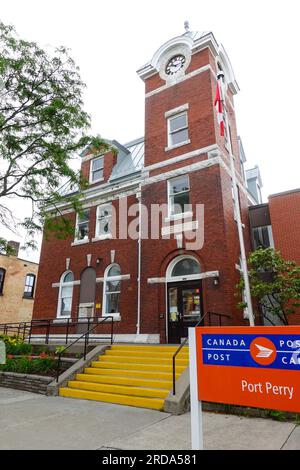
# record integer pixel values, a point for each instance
(262, 237)
(179, 195)
(29, 286)
(112, 289)
(96, 171)
(185, 267)
(178, 129)
(65, 295)
(2, 276)
(103, 223)
(82, 226)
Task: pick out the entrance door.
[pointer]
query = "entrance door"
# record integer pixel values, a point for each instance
(184, 308)
(87, 298)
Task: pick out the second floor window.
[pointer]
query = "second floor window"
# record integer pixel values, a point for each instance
(177, 129)
(104, 216)
(96, 171)
(2, 276)
(179, 195)
(82, 226)
(29, 286)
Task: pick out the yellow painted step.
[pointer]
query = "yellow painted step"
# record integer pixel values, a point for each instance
(140, 402)
(131, 373)
(128, 353)
(143, 360)
(108, 379)
(119, 389)
(136, 366)
(147, 348)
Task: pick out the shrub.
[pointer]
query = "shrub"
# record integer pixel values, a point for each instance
(29, 365)
(15, 345)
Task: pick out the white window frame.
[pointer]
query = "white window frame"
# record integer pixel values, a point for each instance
(33, 276)
(173, 216)
(111, 278)
(61, 285)
(270, 234)
(98, 235)
(187, 277)
(100, 157)
(77, 240)
(170, 133)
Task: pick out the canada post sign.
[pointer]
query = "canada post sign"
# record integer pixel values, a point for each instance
(250, 366)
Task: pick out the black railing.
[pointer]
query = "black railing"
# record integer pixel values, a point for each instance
(25, 330)
(86, 336)
(209, 314)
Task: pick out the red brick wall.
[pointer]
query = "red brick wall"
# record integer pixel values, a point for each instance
(285, 219)
(109, 161)
(197, 92)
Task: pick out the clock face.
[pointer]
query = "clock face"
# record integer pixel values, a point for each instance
(175, 64)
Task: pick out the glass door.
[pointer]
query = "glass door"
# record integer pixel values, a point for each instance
(184, 309)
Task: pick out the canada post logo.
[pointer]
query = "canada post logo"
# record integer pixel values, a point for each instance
(263, 351)
(243, 350)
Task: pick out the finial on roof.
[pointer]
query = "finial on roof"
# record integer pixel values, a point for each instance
(186, 26)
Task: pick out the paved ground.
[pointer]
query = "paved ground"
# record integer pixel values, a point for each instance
(30, 421)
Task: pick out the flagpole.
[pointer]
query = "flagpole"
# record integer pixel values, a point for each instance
(244, 268)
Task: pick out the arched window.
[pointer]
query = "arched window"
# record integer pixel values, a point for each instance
(65, 295)
(2, 277)
(112, 289)
(183, 268)
(29, 286)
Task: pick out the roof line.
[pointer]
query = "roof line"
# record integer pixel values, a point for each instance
(135, 142)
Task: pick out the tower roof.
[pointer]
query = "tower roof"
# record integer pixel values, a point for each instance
(193, 41)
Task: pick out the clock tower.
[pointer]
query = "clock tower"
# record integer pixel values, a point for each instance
(188, 160)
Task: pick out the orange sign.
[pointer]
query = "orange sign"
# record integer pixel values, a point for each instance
(249, 366)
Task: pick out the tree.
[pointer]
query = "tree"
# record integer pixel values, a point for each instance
(274, 283)
(42, 128)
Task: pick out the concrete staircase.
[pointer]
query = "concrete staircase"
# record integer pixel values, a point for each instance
(134, 375)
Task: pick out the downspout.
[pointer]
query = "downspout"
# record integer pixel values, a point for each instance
(138, 323)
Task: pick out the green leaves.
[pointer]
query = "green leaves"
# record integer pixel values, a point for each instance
(43, 126)
(274, 283)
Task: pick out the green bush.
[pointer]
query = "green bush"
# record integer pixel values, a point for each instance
(15, 345)
(27, 365)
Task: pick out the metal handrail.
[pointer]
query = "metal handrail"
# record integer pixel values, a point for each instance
(46, 323)
(186, 340)
(86, 340)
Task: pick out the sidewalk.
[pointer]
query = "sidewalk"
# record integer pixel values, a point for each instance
(30, 421)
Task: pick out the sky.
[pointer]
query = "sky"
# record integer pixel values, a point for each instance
(110, 40)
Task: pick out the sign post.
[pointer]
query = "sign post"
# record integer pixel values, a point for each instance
(196, 408)
(257, 367)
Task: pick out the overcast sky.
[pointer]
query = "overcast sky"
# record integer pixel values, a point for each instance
(111, 39)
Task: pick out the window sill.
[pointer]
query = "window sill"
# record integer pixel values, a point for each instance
(80, 242)
(167, 149)
(96, 181)
(116, 317)
(102, 237)
(183, 215)
(28, 298)
(61, 320)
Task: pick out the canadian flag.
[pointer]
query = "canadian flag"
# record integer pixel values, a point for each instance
(219, 109)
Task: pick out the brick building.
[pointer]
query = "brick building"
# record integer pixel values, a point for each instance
(157, 286)
(17, 287)
(276, 224)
